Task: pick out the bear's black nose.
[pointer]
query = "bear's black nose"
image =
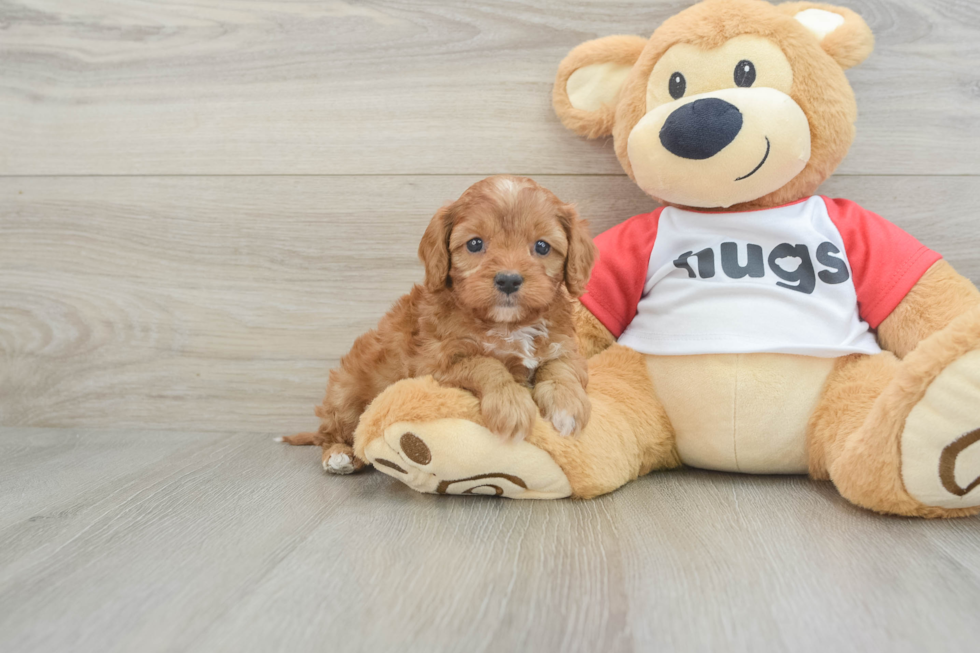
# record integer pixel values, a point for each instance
(701, 129)
(508, 282)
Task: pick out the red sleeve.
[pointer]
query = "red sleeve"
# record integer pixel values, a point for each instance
(885, 261)
(618, 278)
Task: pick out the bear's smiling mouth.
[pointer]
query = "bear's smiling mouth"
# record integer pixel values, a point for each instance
(761, 163)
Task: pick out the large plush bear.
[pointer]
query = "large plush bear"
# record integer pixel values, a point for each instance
(749, 325)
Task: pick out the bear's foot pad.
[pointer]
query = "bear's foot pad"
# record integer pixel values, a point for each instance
(941, 439)
(457, 456)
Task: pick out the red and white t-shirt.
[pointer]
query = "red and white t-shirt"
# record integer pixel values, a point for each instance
(812, 278)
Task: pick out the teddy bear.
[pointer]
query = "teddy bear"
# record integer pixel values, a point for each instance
(748, 325)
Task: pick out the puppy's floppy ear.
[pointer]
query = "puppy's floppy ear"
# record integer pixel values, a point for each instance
(589, 80)
(434, 249)
(842, 33)
(581, 253)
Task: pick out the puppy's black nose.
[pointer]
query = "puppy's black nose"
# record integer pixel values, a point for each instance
(701, 129)
(508, 282)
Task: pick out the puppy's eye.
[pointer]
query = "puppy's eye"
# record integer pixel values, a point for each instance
(677, 86)
(744, 73)
(542, 248)
(474, 245)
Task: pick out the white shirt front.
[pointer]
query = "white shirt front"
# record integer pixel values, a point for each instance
(775, 281)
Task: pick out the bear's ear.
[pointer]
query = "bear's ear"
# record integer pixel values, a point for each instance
(842, 33)
(588, 83)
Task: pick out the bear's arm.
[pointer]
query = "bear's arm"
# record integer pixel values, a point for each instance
(939, 296)
(905, 291)
(592, 336)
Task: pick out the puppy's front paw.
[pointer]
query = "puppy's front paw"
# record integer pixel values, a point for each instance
(340, 459)
(509, 411)
(565, 405)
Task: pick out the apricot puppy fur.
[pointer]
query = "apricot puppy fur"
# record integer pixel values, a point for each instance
(494, 316)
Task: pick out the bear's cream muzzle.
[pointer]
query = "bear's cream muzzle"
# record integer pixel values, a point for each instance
(717, 149)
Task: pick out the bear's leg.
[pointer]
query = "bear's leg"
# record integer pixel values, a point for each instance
(903, 437)
(432, 438)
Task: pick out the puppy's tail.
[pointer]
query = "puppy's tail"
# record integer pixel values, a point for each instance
(300, 439)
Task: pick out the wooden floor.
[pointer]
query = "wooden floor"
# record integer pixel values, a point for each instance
(147, 541)
(202, 203)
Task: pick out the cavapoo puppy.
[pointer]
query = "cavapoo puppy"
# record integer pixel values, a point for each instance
(493, 316)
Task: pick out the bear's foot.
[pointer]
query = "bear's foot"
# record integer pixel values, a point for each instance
(432, 439)
(917, 452)
(940, 444)
(457, 456)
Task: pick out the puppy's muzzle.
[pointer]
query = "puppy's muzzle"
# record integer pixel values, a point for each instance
(701, 129)
(508, 282)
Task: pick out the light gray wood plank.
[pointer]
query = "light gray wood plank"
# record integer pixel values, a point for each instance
(220, 87)
(219, 303)
(146, 561)
(42, 462)
(810, 572)
(238, 544)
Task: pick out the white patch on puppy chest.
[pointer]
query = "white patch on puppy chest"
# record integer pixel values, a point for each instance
(819, 22)
(338, 463)
(518, 342)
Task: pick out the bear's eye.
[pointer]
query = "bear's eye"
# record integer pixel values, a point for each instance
(677, 86)
(474, 245)
(542, 248)
(744, 73)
